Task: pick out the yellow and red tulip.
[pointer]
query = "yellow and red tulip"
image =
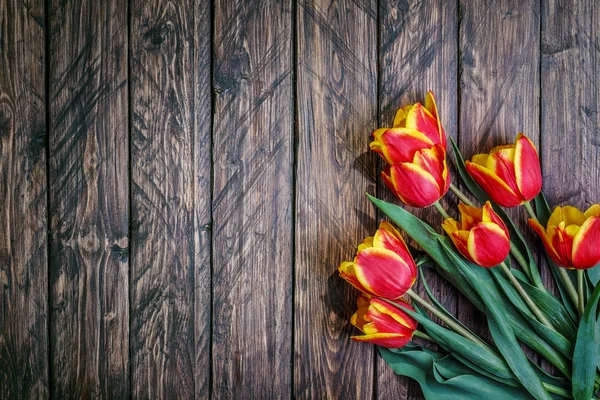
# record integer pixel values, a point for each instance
(571, 237)
(383, 323)
(383, 265)
(422, 181)
(481, 236)
(510, 174)
(415, 127)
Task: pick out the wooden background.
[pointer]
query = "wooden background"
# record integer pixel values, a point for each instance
(180, 179)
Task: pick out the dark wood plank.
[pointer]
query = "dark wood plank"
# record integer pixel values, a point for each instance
(252, 203)
(418, 43)
(23, 225)
(89, 319)
(170, 242)
(337, 112)
(499, 87)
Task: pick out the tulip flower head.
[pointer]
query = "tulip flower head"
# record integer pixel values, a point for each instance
(383, 266)
(481, 237)
(415, 127)
(510, 174)
(572, 238)
(383, 323)
(422, 181)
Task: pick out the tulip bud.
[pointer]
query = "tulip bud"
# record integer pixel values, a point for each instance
(481, 237)
(415, 127)
(572, 238)
(510, 174)
(421, 182)
(382, 323)
(383, 265)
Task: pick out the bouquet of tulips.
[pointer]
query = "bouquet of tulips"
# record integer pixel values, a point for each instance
(485, 257)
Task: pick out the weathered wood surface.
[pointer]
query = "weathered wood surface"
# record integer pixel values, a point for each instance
(170, 178)
(252, 200)
(23, 191)
(89, 199)
(337, 111)
(235, 134)
(417, 53)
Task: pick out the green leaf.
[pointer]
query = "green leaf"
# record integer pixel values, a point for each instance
(586, 350)
(443, 377)
(515, 235)
(503, 336)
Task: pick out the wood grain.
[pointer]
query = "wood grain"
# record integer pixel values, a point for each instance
(570, 88)
(23, 224)
(88, 202)
(337, 112)
(417, 53)
(252, 203)
(170, 240)
(499, 88)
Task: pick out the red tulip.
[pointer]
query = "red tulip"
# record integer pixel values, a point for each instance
(481, 237)
(510, 174)
(572, 238)
(422, 181)
(383, 265)
(415, 127)
(382, 323)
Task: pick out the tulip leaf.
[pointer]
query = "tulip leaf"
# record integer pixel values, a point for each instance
(431, 242)
(441, 376)
(586, 350)
(503, 335)
(515, 235)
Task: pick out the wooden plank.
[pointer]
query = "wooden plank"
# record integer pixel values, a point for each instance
(23, 224)
(417, 53)
(170, 260)
(88, 202)
(337, 112)
(252, 203)
(499, 87)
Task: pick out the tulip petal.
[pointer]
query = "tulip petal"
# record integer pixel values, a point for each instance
(470, 216)
(586, 248)
(489, 215)
(527, 168)
(593, 211)
(450, 225)
(493, 186)
(399, 144)
(396, 313)
(460, 240)
(572, 216)
(413, 185)
(561, 243)
(389, 340)
(502, 164)
(400, 117)
(433, 161)
(383, 273)
(347, 271)
(488, 244)
(431, 106)
(388, 237)
(359, 318)
(539, 229)
(421, 120)
(368, 242)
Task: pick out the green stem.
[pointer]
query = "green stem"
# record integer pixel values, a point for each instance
(526, 297)
(453, 325)
(423, 335)
(581, 300)
(557, 390)
(529, 209)
(441, 210)
(521, 260)
(461, 196)
(569, 285)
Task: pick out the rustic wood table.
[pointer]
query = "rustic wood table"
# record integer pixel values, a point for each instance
(179, 180)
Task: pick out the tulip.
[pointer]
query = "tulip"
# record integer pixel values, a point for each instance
(415, 127)
(383, 265)
(382, 323)
(481, 237)
(572, 238)
(421, 182)
(510, 174)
